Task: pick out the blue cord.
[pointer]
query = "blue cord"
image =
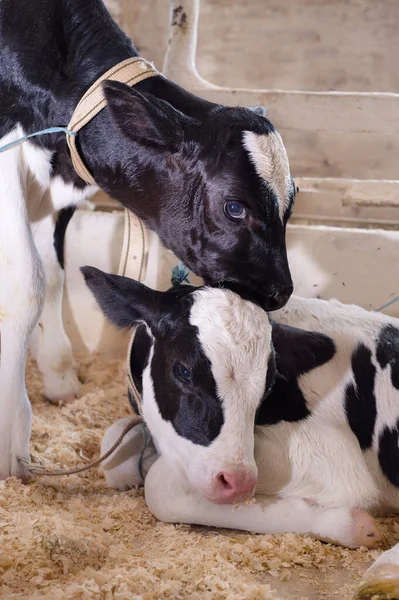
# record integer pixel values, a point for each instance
(180, 275)
(396, 299)
(146, 440)
(43, 132)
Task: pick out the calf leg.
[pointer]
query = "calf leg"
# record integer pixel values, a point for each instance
(170, 500)
(50, 345)
(122, 470)
(22, 286)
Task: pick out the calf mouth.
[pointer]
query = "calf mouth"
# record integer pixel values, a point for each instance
(269, 300)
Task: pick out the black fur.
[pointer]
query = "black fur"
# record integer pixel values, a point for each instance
(169, 156)
(297, 352)
(388, 453)
(360, 402)
(388, 351)
(193, 407)
(64, 216)
(138, 361)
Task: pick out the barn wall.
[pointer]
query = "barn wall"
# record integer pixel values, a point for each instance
(345, 45)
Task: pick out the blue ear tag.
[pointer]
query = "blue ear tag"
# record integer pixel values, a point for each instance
(180, 275)
(146, 440)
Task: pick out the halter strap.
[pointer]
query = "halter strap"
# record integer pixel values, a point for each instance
(130, 71)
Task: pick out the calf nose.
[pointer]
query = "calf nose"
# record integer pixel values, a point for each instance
(233, 485)
(279, 297)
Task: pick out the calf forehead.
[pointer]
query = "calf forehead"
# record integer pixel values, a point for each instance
(269, 157)
(236, 338)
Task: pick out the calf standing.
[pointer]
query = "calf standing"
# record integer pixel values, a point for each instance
(307, 419)
(213, 182)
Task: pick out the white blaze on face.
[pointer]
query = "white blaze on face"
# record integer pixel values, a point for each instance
(236, 337)
(269, 157)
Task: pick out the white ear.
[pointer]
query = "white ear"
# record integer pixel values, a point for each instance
(269, 157)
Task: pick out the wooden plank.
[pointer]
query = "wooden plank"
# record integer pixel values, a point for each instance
(365, 112)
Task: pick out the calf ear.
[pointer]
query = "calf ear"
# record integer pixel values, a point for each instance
(143, 117)
(123, 301)
(299, 351)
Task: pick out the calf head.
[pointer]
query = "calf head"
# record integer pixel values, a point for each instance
(213, 182)
(200, 360)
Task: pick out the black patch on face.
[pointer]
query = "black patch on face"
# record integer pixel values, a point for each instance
(297, 352)
(64, 216)
(138, 361)
(360, 402)
(192, 407)
(388, 351)
(388, 453)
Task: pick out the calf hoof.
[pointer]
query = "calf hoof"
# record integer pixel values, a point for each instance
(14, 468)
(61, 387)
(365, 531)
(380, 583)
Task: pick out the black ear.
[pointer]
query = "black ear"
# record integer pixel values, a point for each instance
(299, 351)
(143, 117)
(124, 301)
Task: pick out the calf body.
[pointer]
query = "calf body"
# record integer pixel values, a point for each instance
(213, 182)
(315, 420)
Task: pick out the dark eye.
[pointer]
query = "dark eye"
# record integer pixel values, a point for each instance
(235, 210)
(182, 372)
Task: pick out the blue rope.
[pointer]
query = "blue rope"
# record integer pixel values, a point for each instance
(43, 132)
(180, 275)
(146, 440)
(396, 299)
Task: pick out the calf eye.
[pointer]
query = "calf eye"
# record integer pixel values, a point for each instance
(182, 372)
(235, 210)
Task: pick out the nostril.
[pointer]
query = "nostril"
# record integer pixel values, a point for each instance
(275, 301)
(279, 298)
(224, 481)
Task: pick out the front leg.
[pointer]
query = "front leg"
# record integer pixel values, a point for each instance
(21, 299)
(172, 501)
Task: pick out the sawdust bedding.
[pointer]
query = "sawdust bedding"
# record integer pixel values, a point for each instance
(75, 538)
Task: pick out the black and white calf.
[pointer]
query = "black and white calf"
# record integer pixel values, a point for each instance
(308, 418)
(213, 182)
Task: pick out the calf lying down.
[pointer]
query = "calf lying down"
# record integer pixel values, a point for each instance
(304, 419)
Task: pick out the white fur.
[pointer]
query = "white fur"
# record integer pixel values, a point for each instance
(169, 499)
(27, 194)
(269, 157)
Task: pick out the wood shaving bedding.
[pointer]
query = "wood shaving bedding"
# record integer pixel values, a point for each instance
(74, 538)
